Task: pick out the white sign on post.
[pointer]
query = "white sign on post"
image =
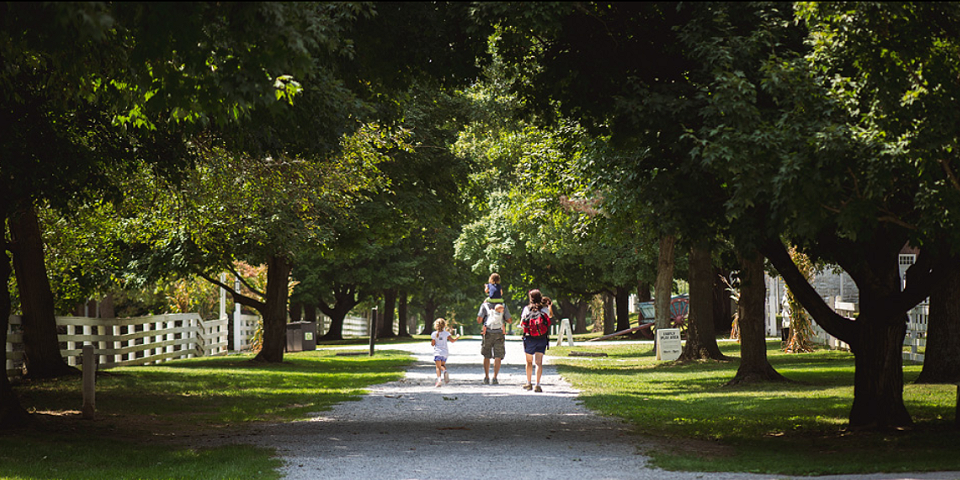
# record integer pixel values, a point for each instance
(668, 344)
(565, 328)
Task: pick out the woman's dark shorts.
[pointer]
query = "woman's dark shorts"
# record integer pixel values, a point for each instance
(533, 345)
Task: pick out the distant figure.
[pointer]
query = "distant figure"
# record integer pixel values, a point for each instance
(535, 321)
(439, 339)
(493, 289)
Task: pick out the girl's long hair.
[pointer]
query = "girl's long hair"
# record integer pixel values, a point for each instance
(536, 299)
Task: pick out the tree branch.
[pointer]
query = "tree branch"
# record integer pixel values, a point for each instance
(950, 175)
(237, 296)
(244, 282)
(831, 321)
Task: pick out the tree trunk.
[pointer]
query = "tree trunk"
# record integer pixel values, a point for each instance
(12, 414)
(582, 307)
(274, 310)
(876, 336)
(609, 313)
(429, 315)
(388, 315)
(344, 299)
(402, 315)
(754, 366)
(663, 289)
(878, 379)
(309, 313)
(643, 291)
(941, 361)
(623, 308)
(107, 308)
(296, 311)
(41, 353)
(701, 338)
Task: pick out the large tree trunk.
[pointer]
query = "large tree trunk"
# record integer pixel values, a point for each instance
(573, 312)
(296, 311)
(608, 313)
(623, 308)
(876, 337)
(663, 289)
(388, 315)
(309, 313)
(12, 414)
(941, 361)
(41, 353)
(754, 366)
(701, 338)
(402, 315)
(274, 310)
(344, 299)
(878, 379)
(429, 315)
(643, 291)
(878, 344)
(107, 307)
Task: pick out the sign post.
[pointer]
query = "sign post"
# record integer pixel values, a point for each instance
(668, 344)
(373, 329)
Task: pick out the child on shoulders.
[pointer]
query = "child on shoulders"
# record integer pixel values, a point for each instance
(493, 289)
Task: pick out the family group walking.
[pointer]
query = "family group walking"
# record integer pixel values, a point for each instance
(493, 317)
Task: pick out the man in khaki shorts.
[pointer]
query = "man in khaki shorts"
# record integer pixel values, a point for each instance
(493, 318)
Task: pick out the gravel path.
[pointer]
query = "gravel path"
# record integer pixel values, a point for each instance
(410, 429)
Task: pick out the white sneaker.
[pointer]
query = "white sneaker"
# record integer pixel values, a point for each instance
(438, 382)
(446, 376)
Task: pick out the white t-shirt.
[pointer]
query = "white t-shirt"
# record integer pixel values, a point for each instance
(440, 347)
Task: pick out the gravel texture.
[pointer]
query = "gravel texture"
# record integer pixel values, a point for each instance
(410, 429)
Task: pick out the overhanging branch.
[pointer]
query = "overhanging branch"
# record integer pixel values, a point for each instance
(831, 321)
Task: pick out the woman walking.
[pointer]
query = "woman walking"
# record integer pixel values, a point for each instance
(535, 321)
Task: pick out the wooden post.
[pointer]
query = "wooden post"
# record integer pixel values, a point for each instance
(373, 329)
(89, 382)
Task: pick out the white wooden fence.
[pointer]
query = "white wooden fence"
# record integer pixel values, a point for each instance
(916, 332)
(130, 341)
(915, 339)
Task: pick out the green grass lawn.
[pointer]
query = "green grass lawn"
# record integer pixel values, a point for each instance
(146, 415)
(782, 428)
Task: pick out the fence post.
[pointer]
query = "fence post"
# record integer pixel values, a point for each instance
(373, 329)
(117, 356)
(89, 382)
(71, 331)
(158, 327)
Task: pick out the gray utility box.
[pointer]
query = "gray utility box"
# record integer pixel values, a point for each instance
(301, 336)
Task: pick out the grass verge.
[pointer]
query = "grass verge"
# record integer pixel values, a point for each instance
(149, 418)
(793, 428)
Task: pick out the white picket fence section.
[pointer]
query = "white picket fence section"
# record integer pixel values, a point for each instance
(244, 330)
(916, 332)
(915, 339)
(353, 326)
(130, 341)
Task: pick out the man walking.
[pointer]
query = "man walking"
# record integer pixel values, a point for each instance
(492, 318)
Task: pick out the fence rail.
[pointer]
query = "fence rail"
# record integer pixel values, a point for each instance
(915, 340)
(128, 341)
